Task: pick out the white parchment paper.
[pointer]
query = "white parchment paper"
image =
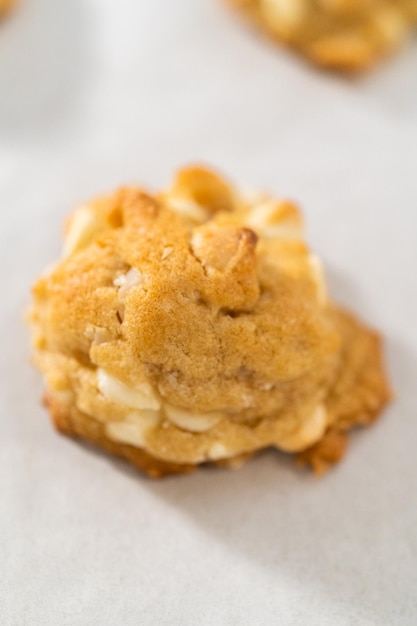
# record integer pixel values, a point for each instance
(94, 94)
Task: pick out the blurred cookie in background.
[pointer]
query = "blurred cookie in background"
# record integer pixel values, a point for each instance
(5, 5)
(342, 35)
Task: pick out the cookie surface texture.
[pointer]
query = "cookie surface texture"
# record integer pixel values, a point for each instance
(193, 326)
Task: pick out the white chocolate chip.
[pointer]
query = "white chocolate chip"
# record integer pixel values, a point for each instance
(134, 429)
(218, 451)
(97, 334)
(284, 16)
(126, 281)
(193, 422)
(187, 208)
(82, 227)
(287, 232)
(317, 273)
(167, 252)
(310, 431)
(264, 218)
(140, 397)
(251, 196)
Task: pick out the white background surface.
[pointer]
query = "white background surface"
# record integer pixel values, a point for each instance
(96, 93)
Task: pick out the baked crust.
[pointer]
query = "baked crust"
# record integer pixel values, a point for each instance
(193, 326)
(343, 35)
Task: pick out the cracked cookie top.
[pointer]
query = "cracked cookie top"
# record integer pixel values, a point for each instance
(193, 323)
(210, 297)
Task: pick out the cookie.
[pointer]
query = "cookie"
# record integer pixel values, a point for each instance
(345, 35)
(194, 326)
(5, 5)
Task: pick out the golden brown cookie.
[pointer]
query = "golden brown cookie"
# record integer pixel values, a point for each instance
(193, 326)
(346, 35)
(5, 5)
